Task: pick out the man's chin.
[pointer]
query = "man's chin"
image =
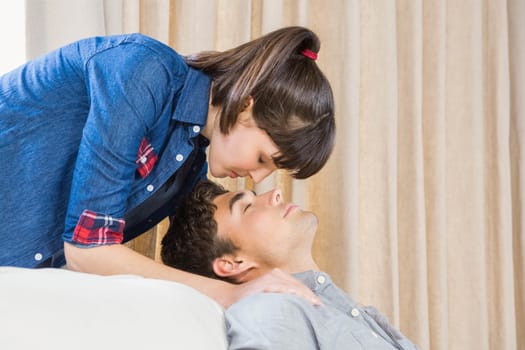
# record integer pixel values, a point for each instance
(313, 220)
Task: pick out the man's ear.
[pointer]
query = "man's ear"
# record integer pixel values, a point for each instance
(233, 267)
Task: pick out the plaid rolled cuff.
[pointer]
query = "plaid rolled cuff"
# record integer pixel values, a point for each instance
(98, 229)
(146, 158)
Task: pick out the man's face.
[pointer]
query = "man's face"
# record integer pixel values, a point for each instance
(268, 231)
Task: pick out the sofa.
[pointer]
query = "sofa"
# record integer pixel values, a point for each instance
(61, 309)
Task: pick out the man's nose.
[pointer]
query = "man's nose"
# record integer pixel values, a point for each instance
(276, 196)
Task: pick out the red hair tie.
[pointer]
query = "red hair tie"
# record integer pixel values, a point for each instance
(309, 53)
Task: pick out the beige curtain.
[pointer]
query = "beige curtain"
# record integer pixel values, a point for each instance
(421, 205)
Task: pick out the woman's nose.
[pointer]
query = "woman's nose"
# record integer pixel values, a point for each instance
(259, 174)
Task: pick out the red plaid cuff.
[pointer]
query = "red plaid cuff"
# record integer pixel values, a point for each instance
(146, 158)
(98, 229)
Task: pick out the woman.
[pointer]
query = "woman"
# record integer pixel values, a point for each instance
(102, 137)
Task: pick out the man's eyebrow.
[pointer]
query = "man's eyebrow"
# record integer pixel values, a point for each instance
(236, 198)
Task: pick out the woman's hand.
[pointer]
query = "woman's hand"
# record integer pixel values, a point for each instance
(275, 281)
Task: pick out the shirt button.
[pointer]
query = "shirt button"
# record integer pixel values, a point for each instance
(150, 188)
(196, 128)
(38, 256)
(321, 279)
(354, 312)
(375, 334)
(143, 159)
(179, 157)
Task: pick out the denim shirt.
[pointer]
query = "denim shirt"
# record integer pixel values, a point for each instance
(71, 124)
(281, 321)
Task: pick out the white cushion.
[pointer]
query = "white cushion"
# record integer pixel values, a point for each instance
(61, 309)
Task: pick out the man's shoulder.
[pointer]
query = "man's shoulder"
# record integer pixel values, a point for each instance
(270, 321)
(269, 306)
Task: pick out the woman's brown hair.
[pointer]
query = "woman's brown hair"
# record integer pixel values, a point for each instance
(293, 101)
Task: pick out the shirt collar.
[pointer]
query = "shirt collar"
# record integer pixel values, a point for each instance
(192, 106)
(315, 280)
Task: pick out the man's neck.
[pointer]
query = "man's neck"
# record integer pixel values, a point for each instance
(297, 266)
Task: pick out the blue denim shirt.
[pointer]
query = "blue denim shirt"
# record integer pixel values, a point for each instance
(71, 123)
(280, 321)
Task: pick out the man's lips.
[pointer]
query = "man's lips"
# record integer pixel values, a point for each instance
(289, 209)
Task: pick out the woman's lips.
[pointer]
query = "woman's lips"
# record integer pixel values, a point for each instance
(233, 174)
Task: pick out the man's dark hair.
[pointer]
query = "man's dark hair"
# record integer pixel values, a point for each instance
(191, 243)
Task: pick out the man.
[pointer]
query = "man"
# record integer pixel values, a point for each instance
(238, 236)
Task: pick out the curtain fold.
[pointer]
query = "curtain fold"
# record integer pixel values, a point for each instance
(500, 276)
(433, 134)
(516, 25)
(421, 205)
(466, 173)
(411, 227)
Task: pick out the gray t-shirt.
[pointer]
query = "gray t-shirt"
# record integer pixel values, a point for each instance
(283, 321)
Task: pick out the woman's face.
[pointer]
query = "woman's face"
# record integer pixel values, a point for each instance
(247, 150)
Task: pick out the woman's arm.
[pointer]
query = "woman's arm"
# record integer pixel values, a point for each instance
(118, 259)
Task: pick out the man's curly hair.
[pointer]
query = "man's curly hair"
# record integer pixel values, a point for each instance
(191, 243)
